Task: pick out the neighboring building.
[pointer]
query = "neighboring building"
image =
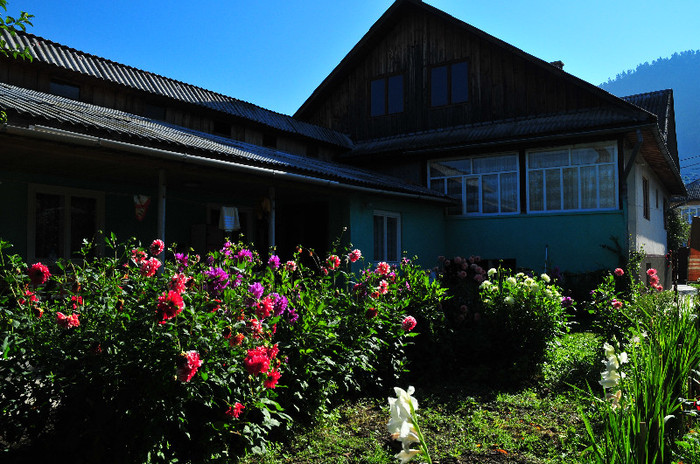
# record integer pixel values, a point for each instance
(459, 144)
(690, 205)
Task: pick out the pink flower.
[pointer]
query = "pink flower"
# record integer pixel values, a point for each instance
(383, 287)
(178, 283)
(274, 262)
(264, 308)
(354, 255)
(409, 323)
(272, 379)
(257, 361)
(67, 322)
(188, 363)
(619, 272)
(658, 287)
(235, 410)
(333, 262)
(38, 274)
(616, 304)
(290, 266)
(138, 256)
(651, 272)
(382, 268)
(170, 304)
(149, 267)
(157, 247)
(654, 280)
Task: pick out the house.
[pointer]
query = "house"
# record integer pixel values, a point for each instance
(430, 137)
(548, 170)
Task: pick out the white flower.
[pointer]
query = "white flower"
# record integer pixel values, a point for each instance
(509, 300)
(492, 272)
(400, 409)
(486, 285)
(511, 280)
(406, 456)
(545, 277)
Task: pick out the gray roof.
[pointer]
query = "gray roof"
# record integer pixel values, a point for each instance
(61, 56)
(504, 131)
(80, 117)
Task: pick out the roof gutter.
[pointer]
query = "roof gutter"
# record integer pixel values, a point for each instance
(62, 136)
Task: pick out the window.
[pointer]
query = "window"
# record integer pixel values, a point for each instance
(387, 236)
(64, 89)
(449, 84)
(645, 197)
(152, 111)
(483, 185)
(386, 95)
(60, 219)
(572, 178)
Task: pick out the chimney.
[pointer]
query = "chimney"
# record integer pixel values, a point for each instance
(557, 64)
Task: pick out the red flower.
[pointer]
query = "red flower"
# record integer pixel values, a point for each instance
(383, 287)
(382, 268)
(38, 274)
(235, 410)
(333, 262)
(616, 304)
(264, 308)
(169, 305)
(138, 256)
(409, 323)
(28, 294)
(178, 283)
(371, 313)
(272, 379)
(237, 340)
(157, 247)
(67, 322)
(619, 272)
(149, 267)
(354, 255)
(188, 363)
(77, 301)
(257, 361)
(651, 272)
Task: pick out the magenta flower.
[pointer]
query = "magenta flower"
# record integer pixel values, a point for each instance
(409, 323)
(274, 262)
(256, 289)
(217, 280)
(157, 247)
(619, 272)
(38, 273)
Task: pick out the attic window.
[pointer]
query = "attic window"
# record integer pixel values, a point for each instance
(152, 111)
(221, 128)
(64, 89)
(386, 95)
(449, 84)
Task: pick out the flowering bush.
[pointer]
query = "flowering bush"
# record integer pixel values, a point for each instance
(143, 360)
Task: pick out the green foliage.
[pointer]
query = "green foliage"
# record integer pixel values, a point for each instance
(279, 340)
(12, 25)
(572, 360)
(677, 230)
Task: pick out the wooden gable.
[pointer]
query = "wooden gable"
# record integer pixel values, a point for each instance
(410, 40)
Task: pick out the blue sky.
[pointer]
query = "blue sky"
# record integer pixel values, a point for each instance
(274, 53)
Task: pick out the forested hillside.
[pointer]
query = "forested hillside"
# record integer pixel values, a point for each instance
(680, 72)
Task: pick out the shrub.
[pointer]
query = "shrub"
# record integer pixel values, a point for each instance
(126, 359)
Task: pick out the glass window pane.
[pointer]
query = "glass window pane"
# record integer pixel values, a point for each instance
(49, 238)
(589, 188)
(592, 155)
(450, 168)
(392, 234)
(378, 238)
(378, 97)
(438, 86)
(509, 193)
(549, 159)
(489, 194)
(438, 185)
(535, 190)
(454, 189)
(395, 94)
(607, 186)
(553, 188)
(571, 188)
(459, 82)
(83, 221)
(472, 186)
(495, 164)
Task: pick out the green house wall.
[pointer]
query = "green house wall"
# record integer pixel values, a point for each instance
(573, 242)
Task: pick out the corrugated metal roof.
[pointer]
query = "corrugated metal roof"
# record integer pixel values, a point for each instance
(85, 118)
(658, 103)
(71, 59)
(501, 131)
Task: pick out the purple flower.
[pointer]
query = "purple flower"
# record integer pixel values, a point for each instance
(280, 303)
(217, 279)
(567, 302)
(256, 289)
(292, 315)
(274, 262)
(181, 260)
(244, 255)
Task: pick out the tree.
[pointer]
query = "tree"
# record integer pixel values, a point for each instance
(12, 25)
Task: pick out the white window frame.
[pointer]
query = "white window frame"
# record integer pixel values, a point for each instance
(613, 163)
(385, 255)
(67, 194)
(464, 178)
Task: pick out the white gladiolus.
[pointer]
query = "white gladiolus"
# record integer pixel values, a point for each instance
(402, 424)
(492, 272)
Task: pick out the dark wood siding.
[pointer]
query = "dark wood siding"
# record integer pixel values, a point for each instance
(502, 84)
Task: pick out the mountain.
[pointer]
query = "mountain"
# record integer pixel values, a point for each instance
(679, 72)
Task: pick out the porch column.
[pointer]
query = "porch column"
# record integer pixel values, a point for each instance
(271, 225)
(161, 205)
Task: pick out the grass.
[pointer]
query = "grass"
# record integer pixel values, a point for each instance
(461, 424)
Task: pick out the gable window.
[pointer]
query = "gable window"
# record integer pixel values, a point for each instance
(387, 236)
(645, 198)
(483, 185)
(449, 84)
(386, 95)
(572, 178)
(63, 89)
(59, 220)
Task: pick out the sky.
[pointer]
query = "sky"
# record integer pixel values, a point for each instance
(274, 53)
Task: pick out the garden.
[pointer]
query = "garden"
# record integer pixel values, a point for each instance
(153, 354)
